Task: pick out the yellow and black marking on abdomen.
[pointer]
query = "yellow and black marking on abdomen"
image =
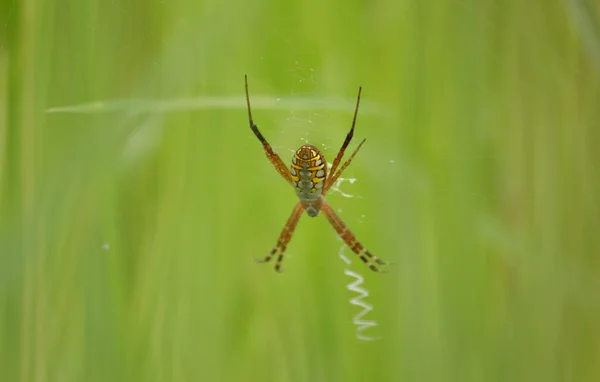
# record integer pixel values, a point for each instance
(308, 173)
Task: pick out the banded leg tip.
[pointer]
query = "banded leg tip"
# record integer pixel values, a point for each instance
(375, 269)
(278, 269)
(258, 260)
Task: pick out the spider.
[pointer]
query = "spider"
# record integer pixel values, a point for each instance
(308, 175)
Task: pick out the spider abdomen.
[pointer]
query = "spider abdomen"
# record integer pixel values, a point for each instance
(308, 172)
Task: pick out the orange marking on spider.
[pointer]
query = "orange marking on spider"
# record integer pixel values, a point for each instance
(311, 181)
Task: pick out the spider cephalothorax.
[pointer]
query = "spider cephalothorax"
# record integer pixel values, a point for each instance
(309, 177)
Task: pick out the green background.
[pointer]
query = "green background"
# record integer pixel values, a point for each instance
(134, 196)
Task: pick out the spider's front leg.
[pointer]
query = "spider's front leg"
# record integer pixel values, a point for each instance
(271, 155)
(284, 237)
(331, 178)
(347, 141)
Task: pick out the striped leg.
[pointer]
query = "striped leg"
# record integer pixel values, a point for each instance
(284, 237)
(349, 238)
(333, 177)
(349, 136)
(281, 168)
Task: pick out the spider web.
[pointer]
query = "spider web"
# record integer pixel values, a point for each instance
(359, 300)
(302, 114)
(313, 123)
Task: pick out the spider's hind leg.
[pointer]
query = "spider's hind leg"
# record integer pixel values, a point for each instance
(270, 256)
(284, 238)
(367, 257)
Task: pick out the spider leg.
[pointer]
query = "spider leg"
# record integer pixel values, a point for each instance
(271, 155)
(349, 136)
(333, 177)
(284, 237)
(349, 238)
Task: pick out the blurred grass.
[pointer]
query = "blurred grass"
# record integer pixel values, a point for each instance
(128, 233)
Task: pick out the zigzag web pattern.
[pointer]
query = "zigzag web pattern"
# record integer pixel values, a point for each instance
(355, 286)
